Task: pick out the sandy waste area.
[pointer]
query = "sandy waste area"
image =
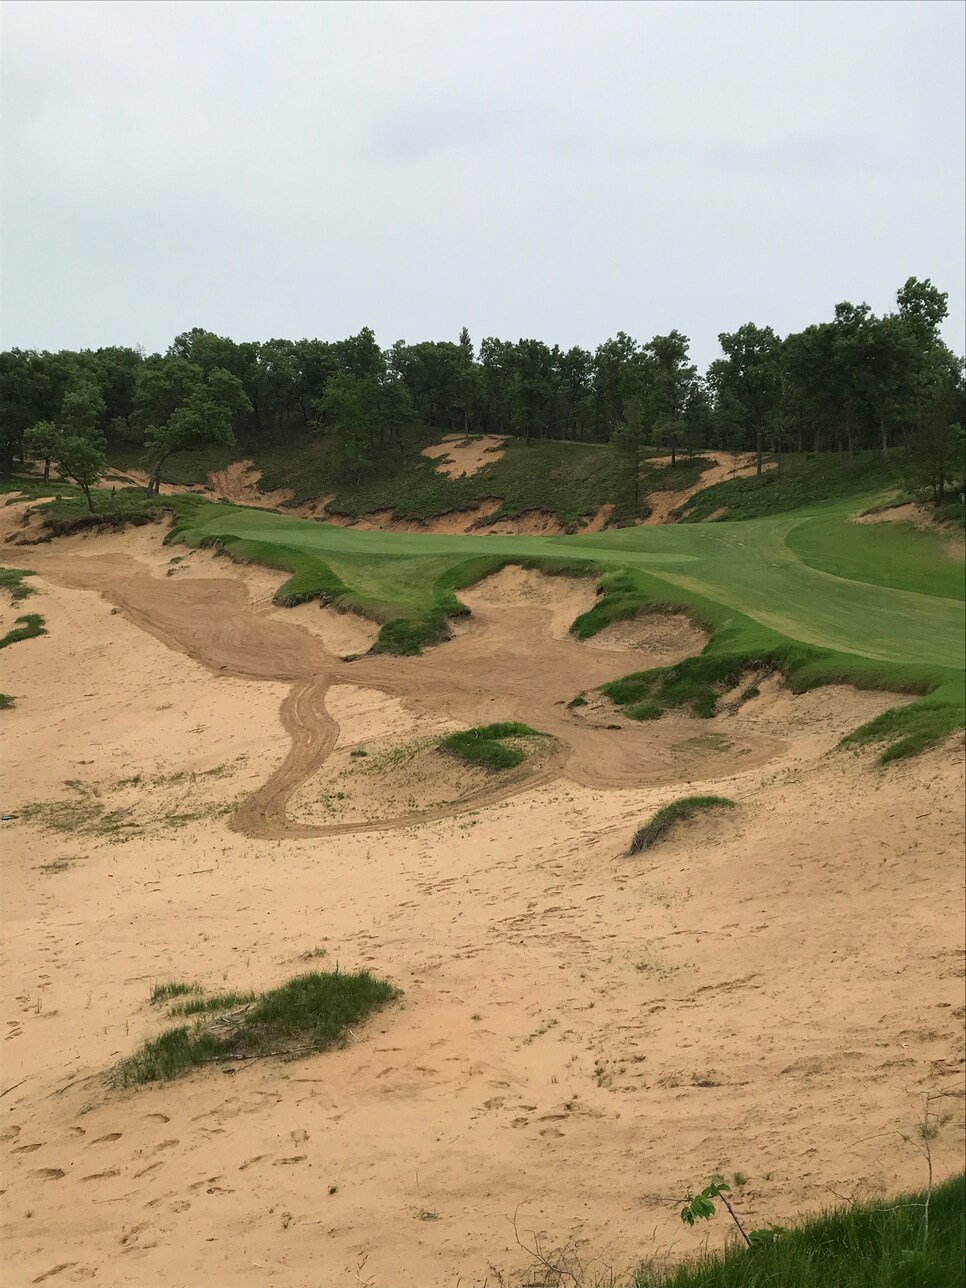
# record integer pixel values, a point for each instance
(581, 1035)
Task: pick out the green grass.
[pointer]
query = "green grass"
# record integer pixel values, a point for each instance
(173, 988)
(211, 1005)
(868, 1245)
(26, 627)
(12, 581)
(659, 824)
(310, 1013)
(772, 593)
(6, 702)
(485, 745)
(802, 481)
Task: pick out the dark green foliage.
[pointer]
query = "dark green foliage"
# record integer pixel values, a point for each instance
(26, 627)
(578, 701)
(752, 691)
(867, 1245)
(6, 702)
(484, 745)
(310, 1013)
(677, 812)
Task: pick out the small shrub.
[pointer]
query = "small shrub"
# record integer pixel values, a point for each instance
(752, 691)
(578, 701)
(678, 811)
(6, 702)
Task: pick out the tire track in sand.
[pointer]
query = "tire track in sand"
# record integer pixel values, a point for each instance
(510, 665)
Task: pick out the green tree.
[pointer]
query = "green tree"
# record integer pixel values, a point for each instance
(347, 411)
(81, 459)
(748, 379)
(41, 441)
(190, 412)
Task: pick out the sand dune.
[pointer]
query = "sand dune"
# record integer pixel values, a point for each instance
(582, 1035)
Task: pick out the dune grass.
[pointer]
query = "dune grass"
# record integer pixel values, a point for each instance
(659, 824)
(26, 627)
(172, 988)
(312, 1012)
(485, 746)
(867, 1245)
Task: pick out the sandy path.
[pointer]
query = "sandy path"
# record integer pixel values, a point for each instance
(582, 1035)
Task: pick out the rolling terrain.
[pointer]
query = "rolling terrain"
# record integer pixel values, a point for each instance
(224, 768)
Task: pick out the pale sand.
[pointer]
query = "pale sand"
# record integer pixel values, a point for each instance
(457, 455)
(582, 1035)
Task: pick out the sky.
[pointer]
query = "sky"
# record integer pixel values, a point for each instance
(554, 170)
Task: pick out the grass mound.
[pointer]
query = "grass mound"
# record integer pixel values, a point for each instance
(310, 1013)
(677, 812)
(868, 1245)
(484, 745)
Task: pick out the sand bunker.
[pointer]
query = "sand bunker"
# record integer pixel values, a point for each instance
(565, 1008)
(459, 455)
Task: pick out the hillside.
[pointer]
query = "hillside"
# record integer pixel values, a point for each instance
(484, 483)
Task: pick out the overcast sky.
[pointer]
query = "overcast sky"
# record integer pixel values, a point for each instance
(557, 170)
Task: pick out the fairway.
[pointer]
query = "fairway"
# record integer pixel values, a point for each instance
(811, 577)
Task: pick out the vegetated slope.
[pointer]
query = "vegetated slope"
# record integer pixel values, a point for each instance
(798, 481)
(569, 481)
(764, 606)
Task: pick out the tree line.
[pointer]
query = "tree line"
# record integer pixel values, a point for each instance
(852, 383)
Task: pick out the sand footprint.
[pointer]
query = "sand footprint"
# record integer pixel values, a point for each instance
(49, 1173)
(103, 1140)
(27, 1149)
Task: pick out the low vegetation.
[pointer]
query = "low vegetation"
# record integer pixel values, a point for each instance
(310, 1013)
(485, 745)
(677, 811)
(25, 627)
(804, 479)
(884, 1244)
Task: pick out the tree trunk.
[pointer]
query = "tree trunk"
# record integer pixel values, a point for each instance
(47, 469)
(87, 493)
(884, 432)
(758, 450)
(674, 458)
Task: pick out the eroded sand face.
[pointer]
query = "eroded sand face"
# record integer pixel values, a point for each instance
(457, 455)
(582, 1035)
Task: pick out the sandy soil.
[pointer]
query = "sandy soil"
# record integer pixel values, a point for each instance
(457, 455)
(582, 1035)
(728, 465)
(238, 483)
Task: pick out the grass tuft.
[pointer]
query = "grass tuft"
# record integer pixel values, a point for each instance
(310, 1013)
(484, 745)
(867, 1245)
(677, 812)
(173, 988)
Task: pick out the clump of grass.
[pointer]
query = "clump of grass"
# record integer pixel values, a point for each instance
(578, 701)
(6, 702)
(310, 1013)
(358, 752)
(866, 1245)
(752, 691)
(172, 988)
(484, 745)
(677, 812)
(210, 1005)
(26, 627)
(12, 580)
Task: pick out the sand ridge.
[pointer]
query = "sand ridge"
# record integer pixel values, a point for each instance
(582, 1036)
